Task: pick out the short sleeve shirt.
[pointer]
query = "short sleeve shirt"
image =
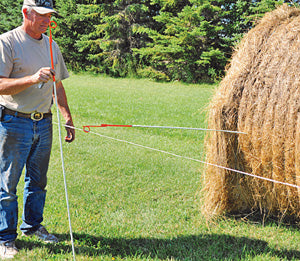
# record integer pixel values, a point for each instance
(22, 55)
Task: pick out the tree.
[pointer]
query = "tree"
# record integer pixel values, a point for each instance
(190, 45)
(186, 40)
(11, 15)
(116, 37)
(197, 36)
(77, 19)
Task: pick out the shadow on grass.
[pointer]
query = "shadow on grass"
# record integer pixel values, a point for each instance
(265, 219)
(200, 247)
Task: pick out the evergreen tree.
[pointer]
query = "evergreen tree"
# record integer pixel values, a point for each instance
(116, 37)
(190, 45)
(11, 15)
(77, 19)
(198, 36)
(187, 40)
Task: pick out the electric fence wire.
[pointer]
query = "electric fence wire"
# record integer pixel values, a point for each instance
(64, 173)
(87, 128)
(53, 25)
(188, 158)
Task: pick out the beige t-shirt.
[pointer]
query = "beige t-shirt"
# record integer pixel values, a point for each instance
(22, 55)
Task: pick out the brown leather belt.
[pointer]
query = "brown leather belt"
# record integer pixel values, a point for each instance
(36, 116)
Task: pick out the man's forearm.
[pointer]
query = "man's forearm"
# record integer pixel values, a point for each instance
(9, 86)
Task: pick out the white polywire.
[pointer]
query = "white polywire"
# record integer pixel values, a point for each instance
(184, 157)
(186, 128)
(63, 169)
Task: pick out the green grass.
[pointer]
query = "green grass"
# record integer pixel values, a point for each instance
(132, 203)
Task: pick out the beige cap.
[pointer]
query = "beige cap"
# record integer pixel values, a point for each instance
(40, 6)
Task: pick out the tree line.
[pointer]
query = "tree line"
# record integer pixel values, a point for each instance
(185, 40)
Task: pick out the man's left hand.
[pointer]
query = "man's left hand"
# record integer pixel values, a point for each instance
(70, 131)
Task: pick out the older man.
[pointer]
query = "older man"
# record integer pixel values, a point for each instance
(26, 96)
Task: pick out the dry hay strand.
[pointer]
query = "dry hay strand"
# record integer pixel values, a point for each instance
(259, 95)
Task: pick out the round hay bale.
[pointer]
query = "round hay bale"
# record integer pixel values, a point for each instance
(259, 95)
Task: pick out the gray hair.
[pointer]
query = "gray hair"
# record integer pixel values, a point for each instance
(29, 9)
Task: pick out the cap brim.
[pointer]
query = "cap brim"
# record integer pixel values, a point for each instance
(44, 10)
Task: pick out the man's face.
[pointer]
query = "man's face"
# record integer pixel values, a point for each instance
(38, 22)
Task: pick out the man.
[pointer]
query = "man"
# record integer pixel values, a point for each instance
(26, 96)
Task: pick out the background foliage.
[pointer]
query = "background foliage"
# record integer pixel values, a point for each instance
(186, 40)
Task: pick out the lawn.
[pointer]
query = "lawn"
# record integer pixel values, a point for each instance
(129, 202)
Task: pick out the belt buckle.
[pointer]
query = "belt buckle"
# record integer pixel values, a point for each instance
(37, 116)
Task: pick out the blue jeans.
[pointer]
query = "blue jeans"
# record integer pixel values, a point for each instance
(23, 143)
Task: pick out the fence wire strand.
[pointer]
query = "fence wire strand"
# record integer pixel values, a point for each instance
(188, 158)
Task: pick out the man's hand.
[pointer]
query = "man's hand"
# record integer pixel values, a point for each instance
(43, 75)
(70, 131)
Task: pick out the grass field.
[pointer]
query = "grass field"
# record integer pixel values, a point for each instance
(133, 203)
